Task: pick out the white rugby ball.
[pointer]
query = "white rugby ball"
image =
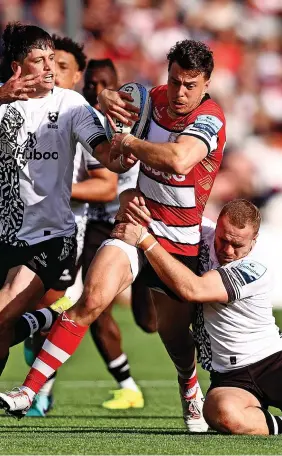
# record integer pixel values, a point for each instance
(142, 100)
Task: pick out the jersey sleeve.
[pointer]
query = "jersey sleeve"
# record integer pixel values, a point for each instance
(91, 162)
(86, 125)
(244, 278)
(206, 128)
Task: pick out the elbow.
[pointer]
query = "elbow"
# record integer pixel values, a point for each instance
(180, 166)
(111, 194)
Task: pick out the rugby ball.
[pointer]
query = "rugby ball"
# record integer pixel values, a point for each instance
(142, 100)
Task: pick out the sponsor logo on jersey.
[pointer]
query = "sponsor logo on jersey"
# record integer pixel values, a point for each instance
(250, 270)
(166, 176)
(53, 117)
(36, 155)
(208, 124)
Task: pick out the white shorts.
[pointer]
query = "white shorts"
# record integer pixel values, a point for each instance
(136, 256)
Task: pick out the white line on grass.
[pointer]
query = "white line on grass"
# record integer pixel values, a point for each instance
(103, 383)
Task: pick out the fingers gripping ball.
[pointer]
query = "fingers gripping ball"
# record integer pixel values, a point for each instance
(142, 100)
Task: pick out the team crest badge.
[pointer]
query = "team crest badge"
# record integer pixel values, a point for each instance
(53, 116)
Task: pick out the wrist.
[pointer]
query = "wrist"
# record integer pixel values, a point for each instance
(126, 142)
(146, 242)
(122, 165)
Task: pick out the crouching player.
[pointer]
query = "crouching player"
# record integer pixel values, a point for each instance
(239, 340)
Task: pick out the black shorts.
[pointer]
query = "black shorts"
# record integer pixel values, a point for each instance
(47, 259)
(73, 265)
(153, 280)
(263, 379)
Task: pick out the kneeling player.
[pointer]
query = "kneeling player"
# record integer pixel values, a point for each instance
(238, 339)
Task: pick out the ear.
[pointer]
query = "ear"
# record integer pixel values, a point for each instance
(14, 66)
(77, 77)
(254, 240)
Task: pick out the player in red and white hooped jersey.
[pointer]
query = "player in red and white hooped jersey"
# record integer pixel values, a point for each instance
(191, 150)
(177, 201)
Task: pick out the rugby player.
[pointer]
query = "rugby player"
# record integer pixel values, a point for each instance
(40, 126)
(238, 338)
(105, 332)
(91, 182)
(179, 163)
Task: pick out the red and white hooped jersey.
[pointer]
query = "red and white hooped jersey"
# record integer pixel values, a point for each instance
(176, 202)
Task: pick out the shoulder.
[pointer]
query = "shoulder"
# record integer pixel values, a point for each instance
(70, 97)
(248, 270)
(209, 113)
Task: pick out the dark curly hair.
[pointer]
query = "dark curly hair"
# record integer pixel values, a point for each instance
(102, 63)
(192, 55)
(68, 45)
(18, 41)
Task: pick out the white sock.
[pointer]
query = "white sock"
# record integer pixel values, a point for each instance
(31, 394)
(129, 383)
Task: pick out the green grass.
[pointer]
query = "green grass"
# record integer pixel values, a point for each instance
(79, 425)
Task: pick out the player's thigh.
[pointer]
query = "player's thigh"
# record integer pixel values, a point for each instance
(21, 292)
(143, 308)
(224, 407)
(172, 315)
(112, 270)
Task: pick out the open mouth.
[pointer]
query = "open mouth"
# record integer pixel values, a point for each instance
(49, 78)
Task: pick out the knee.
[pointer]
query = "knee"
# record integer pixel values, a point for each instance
(148, 326)
(224, 417)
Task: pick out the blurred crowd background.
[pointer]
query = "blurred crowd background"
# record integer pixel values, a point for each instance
(246, 38)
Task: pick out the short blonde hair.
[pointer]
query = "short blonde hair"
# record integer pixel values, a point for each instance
(242, 212)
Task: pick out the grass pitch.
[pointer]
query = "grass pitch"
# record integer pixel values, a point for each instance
(79, 425)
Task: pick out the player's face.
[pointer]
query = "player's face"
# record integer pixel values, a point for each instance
(232, 243)
(97, 80)
(67, 71)
(40, 62)
(184, 90)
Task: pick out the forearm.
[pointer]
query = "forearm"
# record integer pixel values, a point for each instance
(183, 282)
(161, 156)
(98, 191)
(102, 153)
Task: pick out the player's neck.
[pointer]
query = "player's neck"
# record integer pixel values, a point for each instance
(41, 94)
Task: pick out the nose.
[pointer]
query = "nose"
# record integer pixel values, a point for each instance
(228, 249)
(180, 90)
(47, 65)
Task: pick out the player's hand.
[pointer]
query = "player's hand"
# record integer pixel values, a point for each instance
(116, 146)
(133, 208)
(129, 233)
(17, 88)
(117, 104)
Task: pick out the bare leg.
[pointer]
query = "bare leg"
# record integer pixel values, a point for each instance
(143, 305)
(234, 411)
(21, 292)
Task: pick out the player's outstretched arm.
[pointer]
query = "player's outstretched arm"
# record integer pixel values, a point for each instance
(183, 282)
(120, 165)
(17, 88)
